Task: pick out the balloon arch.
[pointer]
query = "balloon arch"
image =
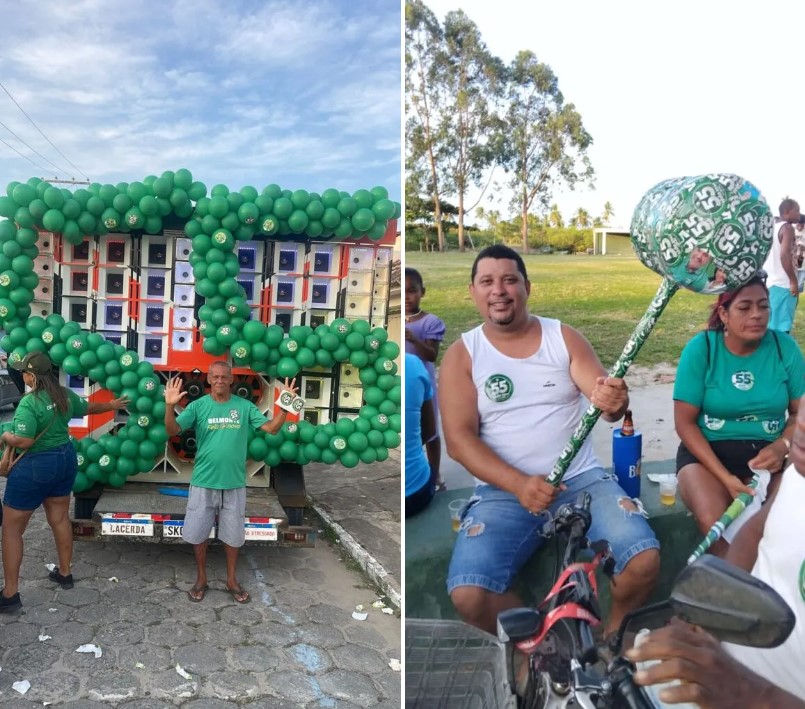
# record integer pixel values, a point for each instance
(215, 224)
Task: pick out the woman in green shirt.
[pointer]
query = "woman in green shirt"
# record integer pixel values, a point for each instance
(736, 396)
(45, 475)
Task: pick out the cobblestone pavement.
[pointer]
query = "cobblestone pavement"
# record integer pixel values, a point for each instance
(295, 645)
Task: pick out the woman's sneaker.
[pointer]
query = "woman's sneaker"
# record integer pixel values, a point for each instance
(66, 582)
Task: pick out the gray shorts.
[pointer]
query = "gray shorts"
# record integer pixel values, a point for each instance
(204, 503)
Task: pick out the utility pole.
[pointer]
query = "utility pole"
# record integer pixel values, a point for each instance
(54, 181)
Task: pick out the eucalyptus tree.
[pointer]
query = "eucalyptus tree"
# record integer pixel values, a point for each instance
(470, 78)
(424, 45)
(546, 142)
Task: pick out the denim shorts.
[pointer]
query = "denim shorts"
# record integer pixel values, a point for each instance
(498, 535)
(40, 475)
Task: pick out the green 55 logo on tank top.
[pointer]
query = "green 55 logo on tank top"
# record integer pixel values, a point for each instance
(743, 380)
(498, 388)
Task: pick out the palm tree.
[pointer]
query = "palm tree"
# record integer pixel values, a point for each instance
(555, 217)
(608, 212)
(582, 218)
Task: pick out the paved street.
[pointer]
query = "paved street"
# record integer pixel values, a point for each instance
(295, 645)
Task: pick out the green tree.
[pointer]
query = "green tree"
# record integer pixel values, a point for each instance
(606, 217)
(468, 76)
(581, 219)
(547, 142)
(555, 217)
(424, 40)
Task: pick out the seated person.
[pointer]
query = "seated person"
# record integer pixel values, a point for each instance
(420, 426)
(772, 546)
(735, 383)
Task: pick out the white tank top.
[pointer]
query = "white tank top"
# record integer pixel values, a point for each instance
(529, 407)
(773, 265)
(781, 564)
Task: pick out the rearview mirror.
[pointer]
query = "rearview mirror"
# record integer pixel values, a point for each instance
(731, 604)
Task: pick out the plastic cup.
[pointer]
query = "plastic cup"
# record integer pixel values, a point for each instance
(668, 491)
(456, 507)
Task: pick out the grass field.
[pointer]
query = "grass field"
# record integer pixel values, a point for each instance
(602, 296)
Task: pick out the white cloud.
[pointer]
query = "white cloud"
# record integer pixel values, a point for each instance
(247, 92)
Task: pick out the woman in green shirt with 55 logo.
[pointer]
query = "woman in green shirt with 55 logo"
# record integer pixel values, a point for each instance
(46, 473)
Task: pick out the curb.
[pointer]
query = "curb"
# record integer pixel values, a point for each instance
(364, 559)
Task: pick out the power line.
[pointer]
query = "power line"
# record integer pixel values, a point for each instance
(77, 169)
(33, 150)
(36, 164)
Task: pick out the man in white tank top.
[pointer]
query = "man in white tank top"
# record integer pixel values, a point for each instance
(781, 267)
(512, 393)
(772, 546)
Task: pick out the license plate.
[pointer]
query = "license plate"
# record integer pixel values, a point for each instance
(172, 529)
(129, 526)
(261, 530)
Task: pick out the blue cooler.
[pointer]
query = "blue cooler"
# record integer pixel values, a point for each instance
(627, 452)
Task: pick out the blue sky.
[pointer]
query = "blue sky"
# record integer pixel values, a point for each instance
(303, 94)
(666, 89)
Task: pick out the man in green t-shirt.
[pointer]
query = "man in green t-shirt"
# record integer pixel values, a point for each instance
(218, 483)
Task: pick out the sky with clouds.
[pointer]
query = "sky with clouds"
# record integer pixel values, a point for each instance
(665, 90)
(247, 92)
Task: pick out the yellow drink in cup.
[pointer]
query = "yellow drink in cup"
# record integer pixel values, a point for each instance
(456, 507)
(668, 491)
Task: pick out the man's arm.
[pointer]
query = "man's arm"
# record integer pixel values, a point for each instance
(609, 394)
(458, 399)
(275, 424)
(787, 240)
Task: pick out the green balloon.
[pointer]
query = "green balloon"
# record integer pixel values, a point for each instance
(53, 197)
(347, 207)
(53, 220)
(363, 219)
(287, 367)
(283, 208)
(349, 459)
(298, 221)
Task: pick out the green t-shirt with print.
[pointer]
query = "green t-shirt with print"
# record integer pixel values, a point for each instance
(222, 437)
(34, 412)
(740, 398)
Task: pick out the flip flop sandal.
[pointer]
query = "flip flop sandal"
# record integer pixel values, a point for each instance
(441, 487)
(239, 591)
(196, 589)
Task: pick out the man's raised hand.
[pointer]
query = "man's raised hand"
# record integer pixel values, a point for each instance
(173, 392)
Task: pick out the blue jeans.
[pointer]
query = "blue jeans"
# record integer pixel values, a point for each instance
(40, 475)
(498, 535)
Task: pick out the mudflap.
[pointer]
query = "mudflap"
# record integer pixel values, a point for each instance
(289, 483)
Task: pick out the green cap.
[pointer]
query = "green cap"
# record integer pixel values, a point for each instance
(35, 363)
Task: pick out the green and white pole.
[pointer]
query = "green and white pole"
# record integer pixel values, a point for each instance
(639, 336)
(737, 506)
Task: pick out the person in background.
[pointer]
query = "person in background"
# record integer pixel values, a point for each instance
(781, 267)
(420, 423)
(46, 473)
(735, 384)
(424, 333)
